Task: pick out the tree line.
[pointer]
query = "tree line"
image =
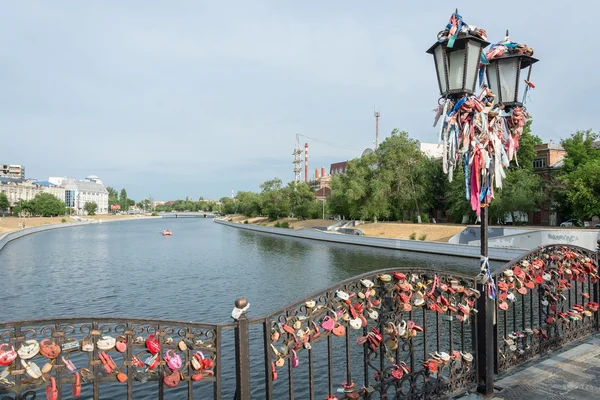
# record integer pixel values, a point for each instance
(398, 182)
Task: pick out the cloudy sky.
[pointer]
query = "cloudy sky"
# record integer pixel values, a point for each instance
(196, 98)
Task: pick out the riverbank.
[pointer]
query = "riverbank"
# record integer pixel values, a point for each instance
(448, 249)
(10, 224)
(390, 230)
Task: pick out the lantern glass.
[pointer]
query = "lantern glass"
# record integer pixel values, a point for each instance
(508, 74)
(456, 69)
(439, 56)
(492, 78)
(473, 57)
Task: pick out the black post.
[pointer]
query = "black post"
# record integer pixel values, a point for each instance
(242, 354)
(485, 322)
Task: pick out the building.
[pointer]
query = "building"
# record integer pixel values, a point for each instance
(17, 190)
(549, 160)
(338, 168)
(12, 171)
(57, 180)
(432, 150)
(79, 192)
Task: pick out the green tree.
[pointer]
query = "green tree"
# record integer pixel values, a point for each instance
(113, 196)
(526, 153)
(90, 207)
(273, 201)
(227, 205)
(248, 204)
(44, 204)
(303, 202)
(123, 200)
(576, 189)
(4, 203)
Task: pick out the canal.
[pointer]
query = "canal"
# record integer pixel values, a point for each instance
(128, 269)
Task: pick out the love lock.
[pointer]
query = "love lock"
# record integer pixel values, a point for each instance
(49, 349)
(76, 386)
(51, 390)
(47, 367)
(121, 344)
(69, 345)
(173, 379)
(7, 354)
(152, 344)
(32, 369)
(87, 345)
(151, 361)
(106, 343)
(173, 360)
(29, 349)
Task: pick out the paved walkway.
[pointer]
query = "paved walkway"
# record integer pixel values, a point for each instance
(570, 375)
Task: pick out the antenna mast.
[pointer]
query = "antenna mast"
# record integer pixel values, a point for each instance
(297, 160)
(376, 112)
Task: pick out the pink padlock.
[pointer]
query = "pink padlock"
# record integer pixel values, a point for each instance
(7, 354)
(173, 360)
(295, 362)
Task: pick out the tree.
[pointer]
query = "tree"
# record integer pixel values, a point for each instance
(90, 207)
(577, 189)
(43, 204)
(273, 201)
(123, 200)
(227, 205)
(303, 202)
(4, 203)
(113, 196)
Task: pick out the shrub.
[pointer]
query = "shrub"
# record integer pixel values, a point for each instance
(246, 222)
(285, 225)
(154, 214)
(263, 224)
(63, 220)
(423, 237)
(277, 225)
(424, 219)
(413, 236)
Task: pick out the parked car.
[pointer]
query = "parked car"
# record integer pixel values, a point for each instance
(572, 222)
(597, 226)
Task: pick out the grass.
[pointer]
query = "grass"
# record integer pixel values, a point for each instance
(423, 237)
(413, 236)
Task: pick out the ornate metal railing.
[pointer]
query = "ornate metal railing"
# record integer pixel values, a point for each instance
(403, 334)
(545, 300)
(394, 333)
(111, 351)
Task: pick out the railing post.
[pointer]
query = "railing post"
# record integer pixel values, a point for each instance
(485, 322)
(242, 354)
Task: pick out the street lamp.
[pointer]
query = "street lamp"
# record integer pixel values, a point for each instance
(504, 72)
(457, 59)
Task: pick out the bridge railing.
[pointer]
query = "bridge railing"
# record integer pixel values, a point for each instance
(546, 299)
(396, 333)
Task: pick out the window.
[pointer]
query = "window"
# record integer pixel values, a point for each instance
(539, 163)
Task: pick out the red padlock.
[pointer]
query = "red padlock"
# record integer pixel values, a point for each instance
(51, 390)
(7, 354)
(76, 386)
(152, 344)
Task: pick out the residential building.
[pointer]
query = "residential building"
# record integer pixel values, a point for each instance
(17, 190)
(79, 192)
(12, 171)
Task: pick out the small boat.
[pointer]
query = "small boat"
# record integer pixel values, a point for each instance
(167, 232)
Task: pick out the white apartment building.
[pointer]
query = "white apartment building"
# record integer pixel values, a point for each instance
(79, 192)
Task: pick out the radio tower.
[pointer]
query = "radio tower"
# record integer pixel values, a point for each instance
(376, 112)
(297, 160)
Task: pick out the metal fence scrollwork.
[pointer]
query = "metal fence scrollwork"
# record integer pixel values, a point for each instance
(546, 299)
(388, 334)
(402, 334)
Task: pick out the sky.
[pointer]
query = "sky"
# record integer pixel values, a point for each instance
(198, 98)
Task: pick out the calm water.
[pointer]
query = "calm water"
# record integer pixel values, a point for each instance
(129, 269)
